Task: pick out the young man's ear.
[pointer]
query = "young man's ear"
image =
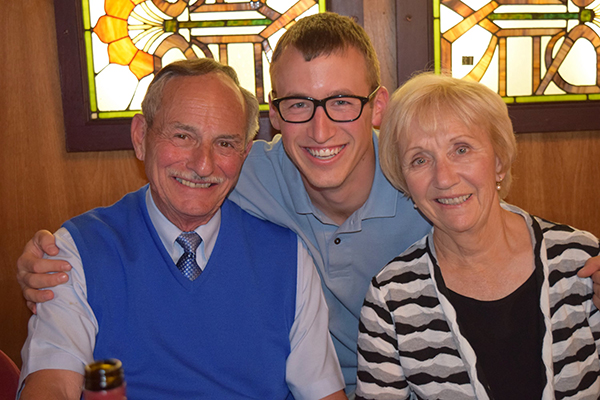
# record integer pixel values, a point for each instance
(138, 135)
(273, 113)
(379, 105)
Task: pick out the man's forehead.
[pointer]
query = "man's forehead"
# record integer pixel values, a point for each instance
(293, 62)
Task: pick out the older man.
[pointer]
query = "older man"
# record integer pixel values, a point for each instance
(320, 177)
(197, 298)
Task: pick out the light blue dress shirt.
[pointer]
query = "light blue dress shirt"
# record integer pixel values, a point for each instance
(63, 333)
(346, 256)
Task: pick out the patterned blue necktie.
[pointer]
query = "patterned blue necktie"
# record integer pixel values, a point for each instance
(187, 262)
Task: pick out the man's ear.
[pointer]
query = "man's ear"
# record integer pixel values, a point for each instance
(248, 148)
(379, 105)
(138, 135)
(273, 113)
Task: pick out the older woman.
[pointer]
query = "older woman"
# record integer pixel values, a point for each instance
(488, 305)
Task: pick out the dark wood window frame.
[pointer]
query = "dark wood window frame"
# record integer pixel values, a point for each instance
(414, 37)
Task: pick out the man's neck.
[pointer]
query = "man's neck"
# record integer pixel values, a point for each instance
(341, 202)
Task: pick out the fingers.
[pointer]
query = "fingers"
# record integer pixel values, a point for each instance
(29, 263)
(596, 298)
(37, 296)
(591, 266)
(31, 305)
(44, 241)
(41, 280)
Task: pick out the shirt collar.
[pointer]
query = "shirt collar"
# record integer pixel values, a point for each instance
(168, 233)
(381, 202)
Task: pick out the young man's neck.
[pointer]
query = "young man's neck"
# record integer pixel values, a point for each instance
(341, 202)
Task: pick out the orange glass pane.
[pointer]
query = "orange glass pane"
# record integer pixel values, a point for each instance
(110, 29)
(118, 8)
(122, 51)
(142, 64)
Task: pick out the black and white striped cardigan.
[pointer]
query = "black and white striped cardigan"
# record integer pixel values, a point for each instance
(410, 345)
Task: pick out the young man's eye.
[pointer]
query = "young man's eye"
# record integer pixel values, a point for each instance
(297, 105)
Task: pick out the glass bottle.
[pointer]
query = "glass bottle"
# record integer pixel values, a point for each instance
(104, 380)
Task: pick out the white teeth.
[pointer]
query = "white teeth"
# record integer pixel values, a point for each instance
(203, 185)
(454, 201)
(324, 154)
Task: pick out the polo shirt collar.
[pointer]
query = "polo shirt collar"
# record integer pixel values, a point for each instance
(381, 202)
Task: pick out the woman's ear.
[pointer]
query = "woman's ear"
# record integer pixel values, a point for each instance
(500, 173)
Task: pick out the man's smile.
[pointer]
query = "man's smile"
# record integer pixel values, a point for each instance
(324, 153)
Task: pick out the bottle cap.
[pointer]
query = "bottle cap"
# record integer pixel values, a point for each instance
(104, 375)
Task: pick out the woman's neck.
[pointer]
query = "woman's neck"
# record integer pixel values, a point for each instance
(488, 263)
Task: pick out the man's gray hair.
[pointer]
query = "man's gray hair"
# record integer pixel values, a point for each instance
(197, 67)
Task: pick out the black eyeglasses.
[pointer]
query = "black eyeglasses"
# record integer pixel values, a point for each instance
(339, 108)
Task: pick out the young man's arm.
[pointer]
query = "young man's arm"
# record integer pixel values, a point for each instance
(53, 384)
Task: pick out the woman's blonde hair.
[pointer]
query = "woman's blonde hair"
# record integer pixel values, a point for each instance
(427, 100)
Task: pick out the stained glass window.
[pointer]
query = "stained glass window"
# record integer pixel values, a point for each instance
(528, 51)
(127, 41)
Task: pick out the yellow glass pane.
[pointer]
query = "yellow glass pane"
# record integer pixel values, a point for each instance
(131, 39)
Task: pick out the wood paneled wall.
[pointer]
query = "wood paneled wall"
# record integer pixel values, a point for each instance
(41, 185)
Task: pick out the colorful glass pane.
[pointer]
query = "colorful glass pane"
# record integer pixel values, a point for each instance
(526, 50)
(127, 41)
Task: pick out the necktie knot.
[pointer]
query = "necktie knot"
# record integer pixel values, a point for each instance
(189, 241)
(187, 264)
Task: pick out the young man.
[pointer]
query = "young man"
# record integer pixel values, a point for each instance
(320, 177)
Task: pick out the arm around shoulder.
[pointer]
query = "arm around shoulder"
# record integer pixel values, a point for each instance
(33, 270)
(52, 384)
(592, 269)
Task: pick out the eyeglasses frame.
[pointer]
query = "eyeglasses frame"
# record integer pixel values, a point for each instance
(321, 103)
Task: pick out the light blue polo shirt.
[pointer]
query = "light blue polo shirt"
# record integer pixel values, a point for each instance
(346, 256)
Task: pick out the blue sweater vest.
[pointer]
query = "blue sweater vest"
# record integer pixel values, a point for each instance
(223, 336)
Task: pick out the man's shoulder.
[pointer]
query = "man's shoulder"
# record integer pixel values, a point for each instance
(232, 208)
(114, 215)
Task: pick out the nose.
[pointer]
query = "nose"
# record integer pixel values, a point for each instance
(322, 128)
(201, 160)
(446, 174)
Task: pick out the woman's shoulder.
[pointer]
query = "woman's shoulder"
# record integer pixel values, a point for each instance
(559, 237)
(412, 264)
(557, 234)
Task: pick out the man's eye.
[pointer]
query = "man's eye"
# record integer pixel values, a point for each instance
(225, 144)
(341, 103)
(181, 136)
(298, 105)
(462, 150)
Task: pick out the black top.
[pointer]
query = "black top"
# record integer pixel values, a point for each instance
(505, 335)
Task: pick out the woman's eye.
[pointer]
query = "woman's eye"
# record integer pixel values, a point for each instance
(418, 161)
(462, 150)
